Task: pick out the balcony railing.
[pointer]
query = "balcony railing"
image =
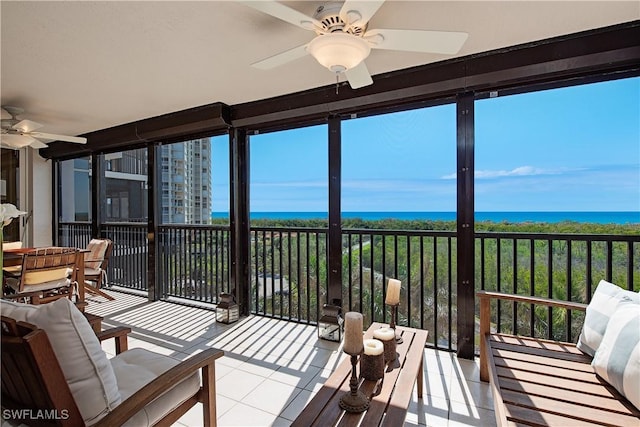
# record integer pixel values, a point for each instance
(193, 262)
(128, 263)
(559, 266)
(289, 272)
(425, 263)
(289, 277)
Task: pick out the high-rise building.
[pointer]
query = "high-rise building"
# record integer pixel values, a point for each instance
(186, 182)
(184, 185)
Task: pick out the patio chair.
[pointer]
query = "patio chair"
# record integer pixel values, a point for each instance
(53, 364)
(95, 266)
(46, 275)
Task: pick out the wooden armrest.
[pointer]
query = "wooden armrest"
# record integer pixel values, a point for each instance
(569, 305)
(158, 386)
(120, 334)
(485, 317)
(113, 332)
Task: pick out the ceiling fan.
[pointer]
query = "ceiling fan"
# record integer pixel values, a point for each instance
(343, 40)
(16, 133)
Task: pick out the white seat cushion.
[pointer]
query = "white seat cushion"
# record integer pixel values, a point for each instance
(92, 271)
(78, 350)
(11, 245)
(36, 287)
(136, 368)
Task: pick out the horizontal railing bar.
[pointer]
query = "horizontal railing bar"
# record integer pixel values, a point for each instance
(557, 236)
(387, 232)
(193, 227)
(291, 229)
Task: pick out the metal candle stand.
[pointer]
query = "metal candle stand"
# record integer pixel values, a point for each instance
(394, 318)
(355, 400)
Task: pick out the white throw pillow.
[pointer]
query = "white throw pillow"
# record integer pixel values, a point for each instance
(617, 360)
(603, 304)
(16, 310)
(85, 366)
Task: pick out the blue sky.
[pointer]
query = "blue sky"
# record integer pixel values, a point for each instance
(570, 149)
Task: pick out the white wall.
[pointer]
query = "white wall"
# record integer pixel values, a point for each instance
(36, 197)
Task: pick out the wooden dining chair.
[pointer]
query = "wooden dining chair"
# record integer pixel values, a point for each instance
(46, 275)
(95, 266)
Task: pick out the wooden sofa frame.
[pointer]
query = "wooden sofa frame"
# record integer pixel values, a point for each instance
(540, 382)
(32, 378)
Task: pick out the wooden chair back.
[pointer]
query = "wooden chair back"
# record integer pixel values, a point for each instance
(34, 390)
(95, 272)
(96, 263)
(107, 255)
(44, 269)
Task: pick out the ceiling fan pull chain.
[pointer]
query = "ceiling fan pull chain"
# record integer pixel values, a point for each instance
(337, 81)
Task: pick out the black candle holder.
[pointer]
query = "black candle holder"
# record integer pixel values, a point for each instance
(394, 319)
(354, 400)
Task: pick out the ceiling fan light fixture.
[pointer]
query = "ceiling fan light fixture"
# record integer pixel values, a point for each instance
(339, 51)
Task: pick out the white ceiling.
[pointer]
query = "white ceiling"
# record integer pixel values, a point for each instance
(82, 66)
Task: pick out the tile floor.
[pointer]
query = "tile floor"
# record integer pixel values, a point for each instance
(272, 368)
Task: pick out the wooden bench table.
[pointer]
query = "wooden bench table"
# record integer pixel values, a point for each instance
(390, 397)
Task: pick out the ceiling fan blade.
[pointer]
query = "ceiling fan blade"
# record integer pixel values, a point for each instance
(281, 58)
(445, 42)
(36, 145)
(54, 137)
(285, 13)
(16, 141)
(359, 76)
(365, 10)
(27, 126)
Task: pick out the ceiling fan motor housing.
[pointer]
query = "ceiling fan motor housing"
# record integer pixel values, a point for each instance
(329, 16)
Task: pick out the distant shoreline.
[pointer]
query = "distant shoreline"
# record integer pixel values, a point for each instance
(618, 217)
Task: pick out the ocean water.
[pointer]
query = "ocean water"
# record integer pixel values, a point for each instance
(551, 217)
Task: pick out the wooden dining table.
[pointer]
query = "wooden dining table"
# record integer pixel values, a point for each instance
(13, 258)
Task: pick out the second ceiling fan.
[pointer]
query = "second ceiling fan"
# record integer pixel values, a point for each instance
(343, 40)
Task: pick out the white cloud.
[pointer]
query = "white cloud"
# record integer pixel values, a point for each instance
(519, 171)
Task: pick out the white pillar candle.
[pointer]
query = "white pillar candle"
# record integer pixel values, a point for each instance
(352, 333)
(373, 347)
(384, 334)
(393, 292)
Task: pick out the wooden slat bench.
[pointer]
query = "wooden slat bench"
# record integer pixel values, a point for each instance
(390, 397)
(545, 383)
